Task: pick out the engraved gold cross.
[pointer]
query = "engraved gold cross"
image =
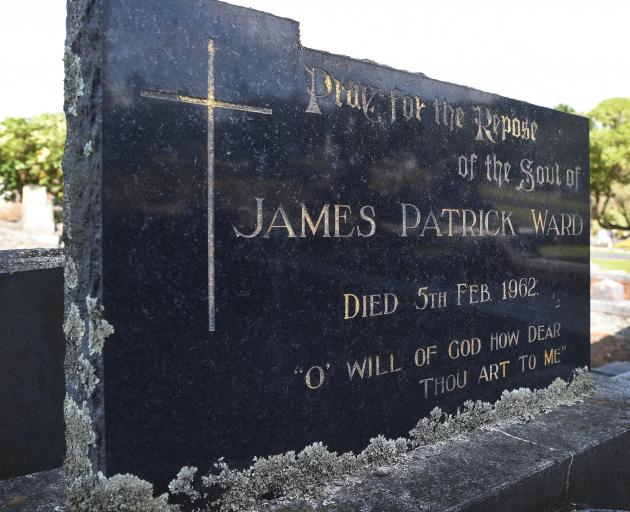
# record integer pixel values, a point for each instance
(210, 102)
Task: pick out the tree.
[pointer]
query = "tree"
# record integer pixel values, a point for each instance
(31, 150)
(563, 107)
(610, 163)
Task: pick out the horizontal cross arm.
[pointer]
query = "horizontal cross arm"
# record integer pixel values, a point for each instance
(243, 108)
(168, 96)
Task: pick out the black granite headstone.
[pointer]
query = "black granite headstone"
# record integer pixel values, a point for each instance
(31, 361)
(293, 246)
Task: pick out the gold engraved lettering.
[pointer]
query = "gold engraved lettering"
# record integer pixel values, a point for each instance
(546, 224)
(315, 377)
(376, 304)
(313, 95)
(314, 226)
(372, 366)
(286, 223)
(423, 356)
(341, 214)
(493, 127)
(259, 221)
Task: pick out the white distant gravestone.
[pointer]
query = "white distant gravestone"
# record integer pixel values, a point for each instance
(607, 290)
(37, 210)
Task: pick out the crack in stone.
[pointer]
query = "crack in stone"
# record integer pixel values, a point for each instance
(568, 479)
(522, 439)
(567, 482)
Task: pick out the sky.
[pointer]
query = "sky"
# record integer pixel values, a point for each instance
(541, 51)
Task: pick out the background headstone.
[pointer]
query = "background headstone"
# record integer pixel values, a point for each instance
(607, 289)
(37, 210)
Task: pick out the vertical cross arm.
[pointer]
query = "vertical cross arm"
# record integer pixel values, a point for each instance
(210, 103)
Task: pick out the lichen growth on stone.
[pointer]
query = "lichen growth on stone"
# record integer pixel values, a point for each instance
(74, 329)
(306, 474)
(77, 465)
(183, 484)
(73, 86)
(127, 493)
(73, 326)
(70, 274)
(87, 376)
(440, 426)
(383, 451)
(87, 148)
(518, 405)
(278, 476)
(98, 327)
(87, 492)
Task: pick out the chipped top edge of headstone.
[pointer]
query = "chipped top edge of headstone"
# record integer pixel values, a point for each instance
(22, 260)
(444, 82)
(253, 9)
(385, 66)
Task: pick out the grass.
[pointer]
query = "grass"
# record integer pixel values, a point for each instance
(563, 251)
(612, 264)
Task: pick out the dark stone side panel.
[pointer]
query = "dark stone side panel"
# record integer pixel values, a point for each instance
(31, 362)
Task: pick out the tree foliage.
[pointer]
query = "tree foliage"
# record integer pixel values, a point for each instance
(610, 164)
(563, 107)
(31, 150)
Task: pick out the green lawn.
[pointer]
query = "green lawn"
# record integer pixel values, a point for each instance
(612, 264)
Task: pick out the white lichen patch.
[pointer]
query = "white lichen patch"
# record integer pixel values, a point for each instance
(310, 473)
(127, 493)
(87, 376)
(383, 451)
(183, 484)
(79, 437)
(73, 327)
(74, 86)
(87, 148)
(98, 327)
(70, 274)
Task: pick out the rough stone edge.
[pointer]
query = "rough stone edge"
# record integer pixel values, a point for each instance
(84, 324)
(82, 205)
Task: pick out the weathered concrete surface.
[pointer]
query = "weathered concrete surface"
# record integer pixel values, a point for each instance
(573, 455)
(40, 492)
(617, 369)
